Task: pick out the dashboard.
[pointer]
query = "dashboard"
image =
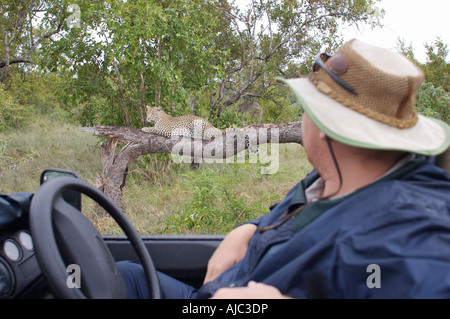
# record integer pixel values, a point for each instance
(20, 274)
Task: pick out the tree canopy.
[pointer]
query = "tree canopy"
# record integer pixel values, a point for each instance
(433, 98)
(103, 61)
(197, 56)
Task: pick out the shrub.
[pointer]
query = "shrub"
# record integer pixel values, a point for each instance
(12, 115)
(433, 102)
(216, 206)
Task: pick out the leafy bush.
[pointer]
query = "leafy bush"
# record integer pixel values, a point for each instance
(12, 114)
(433, 102)
(229, 117)
(216, 206)
(277, 113)
(36, 90)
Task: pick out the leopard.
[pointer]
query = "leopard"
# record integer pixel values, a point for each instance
(185, 125)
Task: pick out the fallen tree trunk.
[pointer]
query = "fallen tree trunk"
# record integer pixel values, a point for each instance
(115, 163)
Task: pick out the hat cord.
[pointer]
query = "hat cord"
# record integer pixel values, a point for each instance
(330, 147)
(287, 216)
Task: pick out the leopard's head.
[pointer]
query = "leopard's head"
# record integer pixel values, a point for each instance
(154, 114)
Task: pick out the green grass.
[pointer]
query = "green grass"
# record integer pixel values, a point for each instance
(53, 144)
(160, 196)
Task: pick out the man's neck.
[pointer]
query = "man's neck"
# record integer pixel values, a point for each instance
(357, 172)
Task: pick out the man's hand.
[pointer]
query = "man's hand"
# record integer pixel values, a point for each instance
(254, 290)
(231, 250)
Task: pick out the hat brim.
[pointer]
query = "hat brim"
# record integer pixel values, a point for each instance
(428, 137)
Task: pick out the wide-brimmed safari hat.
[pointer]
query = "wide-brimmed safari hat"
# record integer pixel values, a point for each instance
(365, 96)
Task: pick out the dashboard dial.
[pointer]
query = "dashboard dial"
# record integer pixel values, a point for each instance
(26, 240)
(12, 250)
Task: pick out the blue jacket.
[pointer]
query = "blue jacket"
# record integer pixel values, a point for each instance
(390, 239)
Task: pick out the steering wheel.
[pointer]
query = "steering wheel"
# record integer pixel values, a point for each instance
(63, 236)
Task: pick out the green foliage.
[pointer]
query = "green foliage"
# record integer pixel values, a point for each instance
(25, 25)
(433, 97)
(217, 204)
(35, 90)
(29, 93)
(133, 53)
(124, 55)
(228, 118)
(437, 69)
(283, 109)
(433, 102)
(12, 114)
(268, 39)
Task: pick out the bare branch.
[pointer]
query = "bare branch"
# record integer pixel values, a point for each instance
(14, 61)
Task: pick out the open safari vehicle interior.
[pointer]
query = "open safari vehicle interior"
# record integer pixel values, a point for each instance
(49, 249)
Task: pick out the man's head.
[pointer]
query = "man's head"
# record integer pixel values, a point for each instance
(325, 154)
(364, 96)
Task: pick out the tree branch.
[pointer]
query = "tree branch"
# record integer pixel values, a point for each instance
(42, 38)
(13, 61)
(149, 143)
(138, 142)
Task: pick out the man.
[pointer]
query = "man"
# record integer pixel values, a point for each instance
(371, 221)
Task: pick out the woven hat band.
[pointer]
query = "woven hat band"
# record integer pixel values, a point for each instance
(387, 95)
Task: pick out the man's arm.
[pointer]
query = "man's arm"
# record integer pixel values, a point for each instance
(231, 250)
